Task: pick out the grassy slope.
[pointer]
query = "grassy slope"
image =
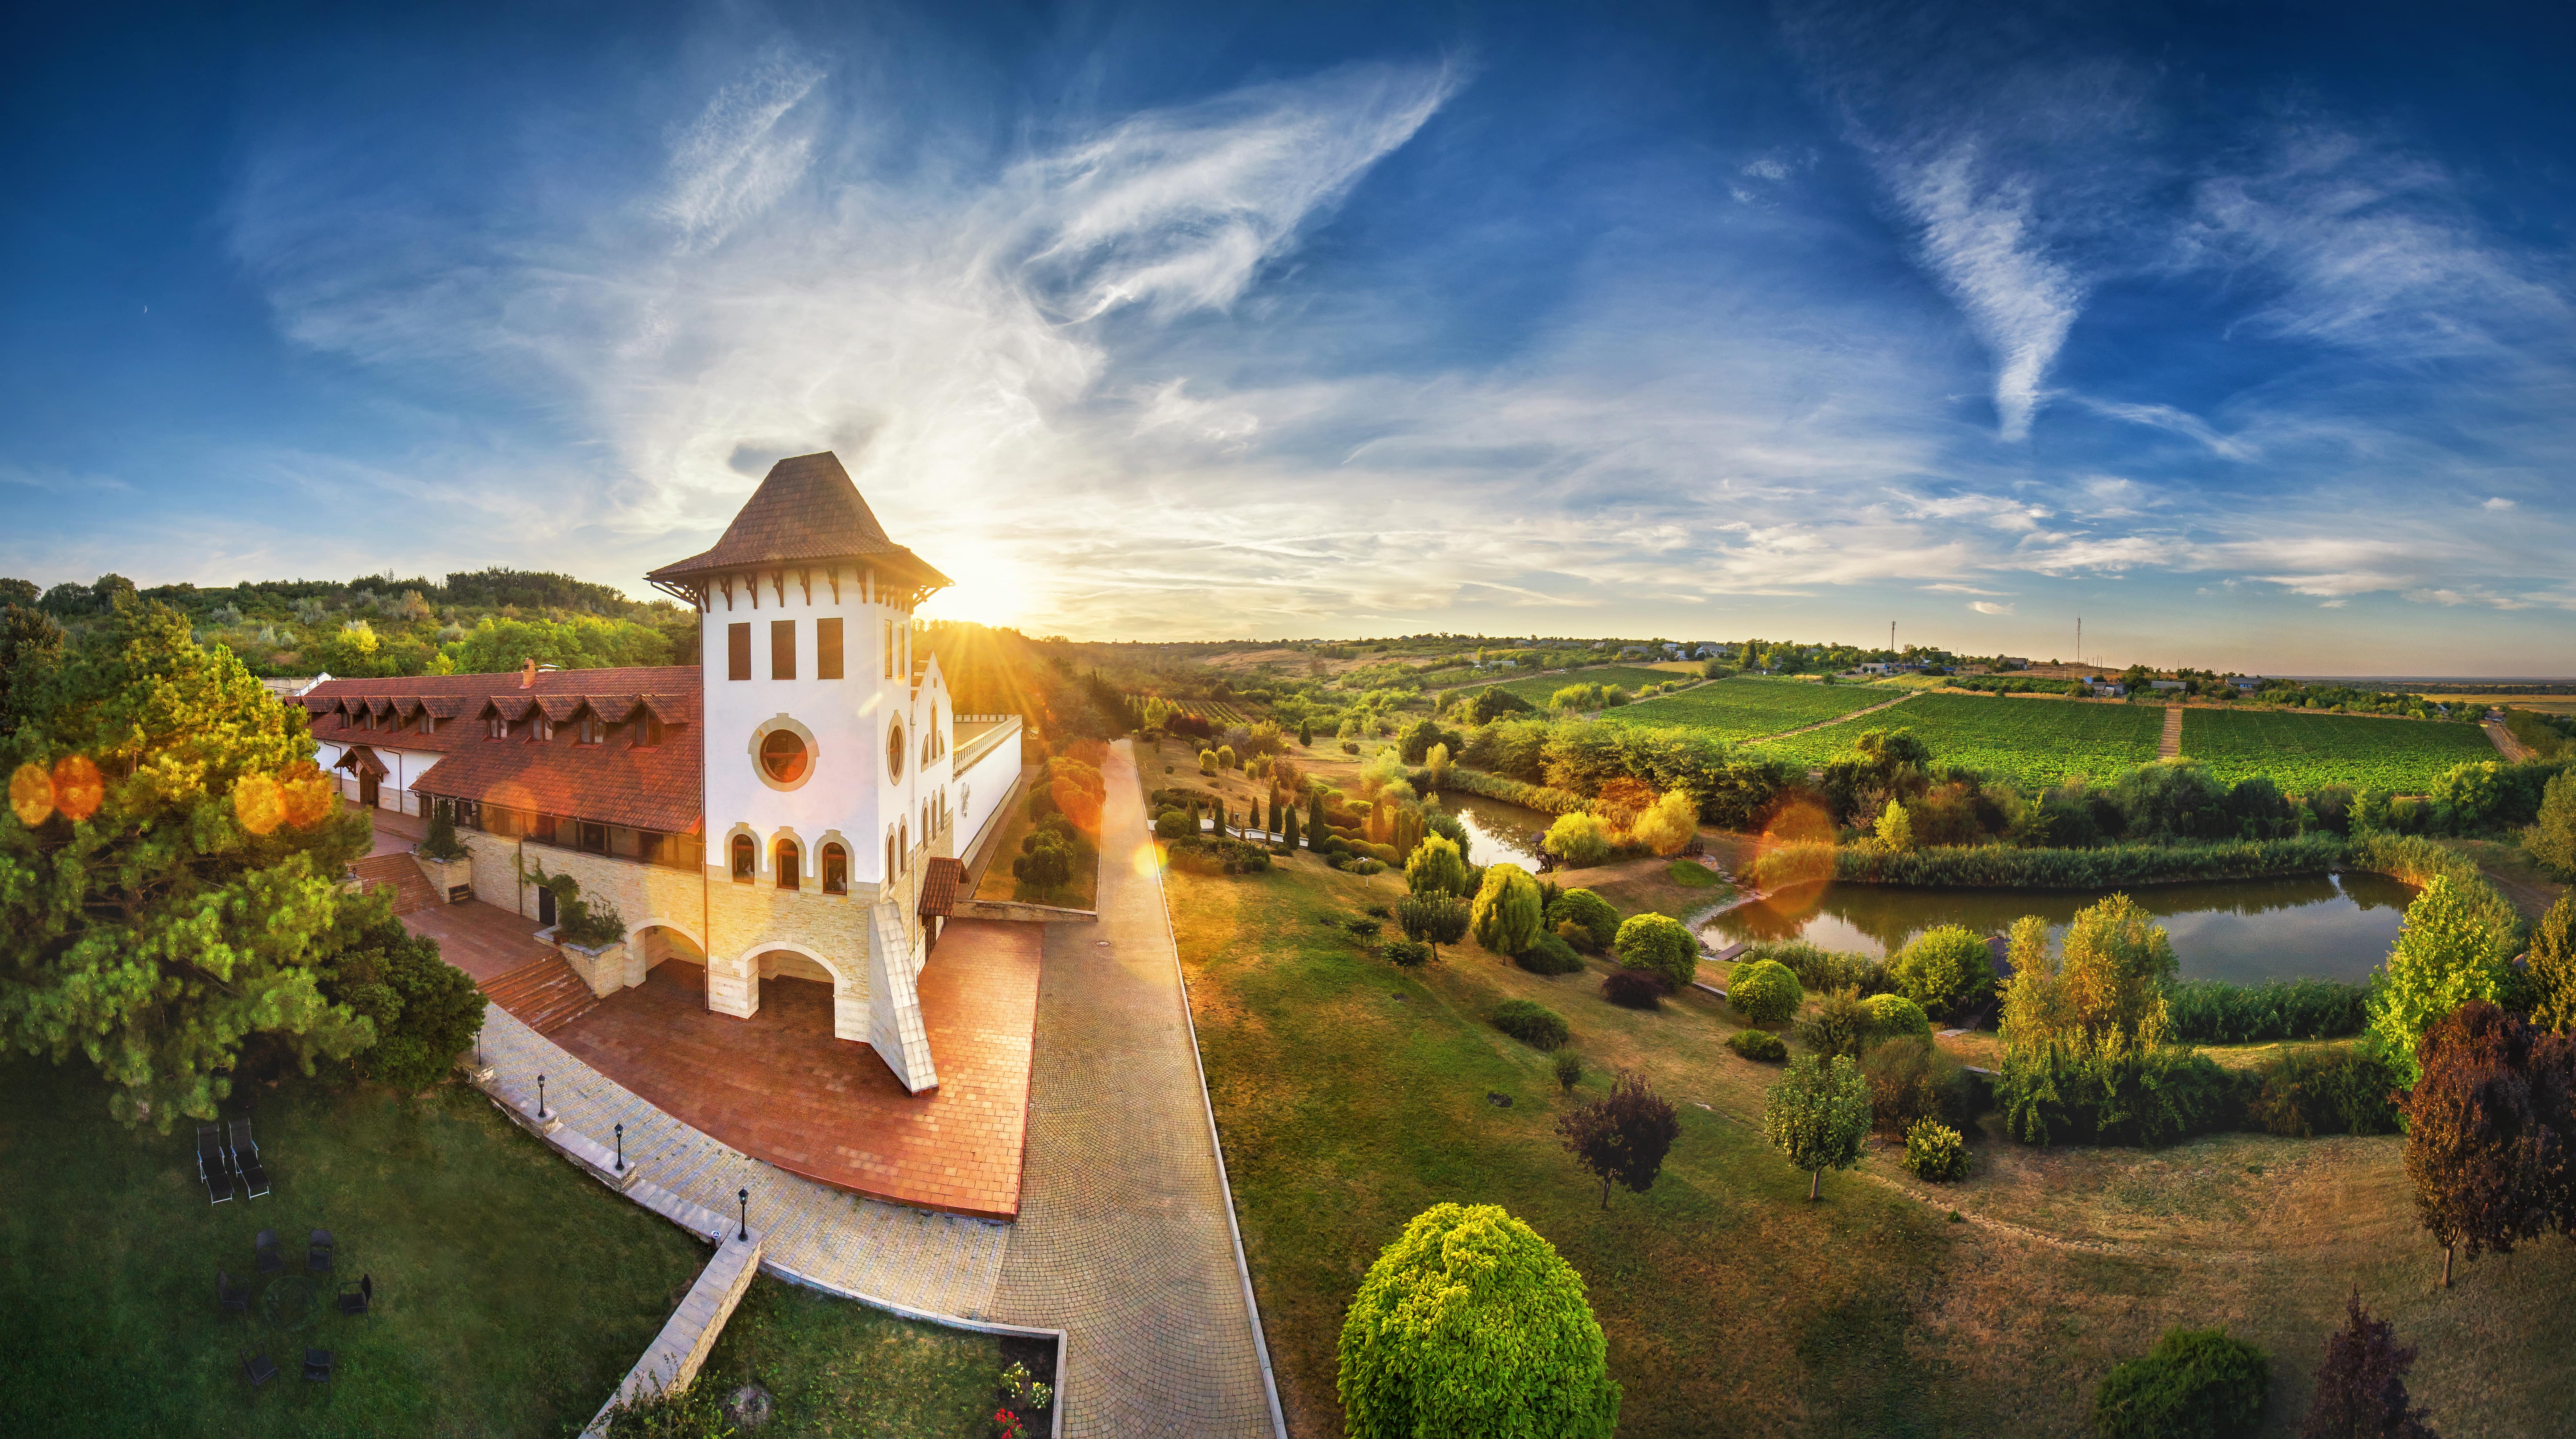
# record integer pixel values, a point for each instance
(843, 1369)
(1740, 708)
(512, 1292)
(1730, 1304)
(2302, 751)
(2036, 741)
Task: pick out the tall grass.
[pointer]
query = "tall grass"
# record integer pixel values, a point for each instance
(2211, 1011)
(1511, 791)
(2002, 867)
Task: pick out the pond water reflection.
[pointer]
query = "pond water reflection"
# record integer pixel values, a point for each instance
(1496, 830)
(2246, 931)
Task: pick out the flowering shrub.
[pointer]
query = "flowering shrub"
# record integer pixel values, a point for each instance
(1934, 1151)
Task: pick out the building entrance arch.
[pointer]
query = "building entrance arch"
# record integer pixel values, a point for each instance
(837, 1001)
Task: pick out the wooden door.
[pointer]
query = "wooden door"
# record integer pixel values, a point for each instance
(545, 906)
(367, 788)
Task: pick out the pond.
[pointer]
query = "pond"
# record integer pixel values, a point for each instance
(1496, 830)
(2245, 931)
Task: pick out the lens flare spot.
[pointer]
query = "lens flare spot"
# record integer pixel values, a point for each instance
(259, 803)
(78, 787)
(308, 797)
(31, 795)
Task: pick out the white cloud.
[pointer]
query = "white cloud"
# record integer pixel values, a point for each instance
(2498, 502)
(1989, 607)
(1980, 238)
(2166, 417)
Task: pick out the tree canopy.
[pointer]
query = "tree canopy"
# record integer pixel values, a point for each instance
(2457, 944)
(1818, 1115)
(1623, 1136)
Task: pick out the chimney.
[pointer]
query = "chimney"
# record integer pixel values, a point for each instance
(528, 676)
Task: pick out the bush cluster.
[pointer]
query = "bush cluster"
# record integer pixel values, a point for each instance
(2208, 1011)
(1660, 945)
(1209, 854)
(1763, 991)
(1759, 1044)
(1548, 954)
(1988, 866)
(1591, 916)
(2153, 1097)
(1632, 989)
(1531, 1023)
(1405, 953)
(2197, 1382)
(1935, 1152)
(1822, 970)
(1944, 969)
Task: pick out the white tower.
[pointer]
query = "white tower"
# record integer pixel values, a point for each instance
(825, 788)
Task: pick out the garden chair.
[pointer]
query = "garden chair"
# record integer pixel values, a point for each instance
(358, 1298)
(258, 1368)
(317, 1259)
(265, 1246)
(317, 1365)
(230, 1296)
(211, 1166)
(246, 1160)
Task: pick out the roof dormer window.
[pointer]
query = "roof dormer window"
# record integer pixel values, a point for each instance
(594, 730)
(499, 728)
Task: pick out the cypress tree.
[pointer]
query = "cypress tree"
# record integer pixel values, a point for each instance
(1252, 818)
(1316, 829)
(1289, 830)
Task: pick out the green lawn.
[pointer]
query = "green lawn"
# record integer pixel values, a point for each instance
(512, 1292)
(2302, 751)
(841, 1369)
(1538, 688)
(1744, 708)
(2033, 741)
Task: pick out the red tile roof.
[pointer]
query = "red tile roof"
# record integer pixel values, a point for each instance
(806, 511)
(644, 787)
(940, 881)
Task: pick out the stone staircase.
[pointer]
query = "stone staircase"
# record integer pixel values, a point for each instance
(399, 873)
(545, 995)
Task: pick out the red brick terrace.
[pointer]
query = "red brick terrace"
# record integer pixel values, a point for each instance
(780, 1088)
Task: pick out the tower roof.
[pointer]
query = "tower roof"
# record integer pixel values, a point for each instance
(806, 512)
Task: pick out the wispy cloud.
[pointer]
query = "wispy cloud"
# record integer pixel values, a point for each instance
(1980, 238)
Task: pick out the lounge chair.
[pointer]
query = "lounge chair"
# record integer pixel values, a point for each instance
(212, 1167)
(246, 1160)
(229, 1296)
(265, 1246)
(258, 1368)
(358, 1298)
(317, 1259)
(317, 1365)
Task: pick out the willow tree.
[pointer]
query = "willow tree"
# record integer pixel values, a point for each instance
(168, 869)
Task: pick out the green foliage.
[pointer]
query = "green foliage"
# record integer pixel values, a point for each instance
(1436, 919)
(1470, 1323)
(1763, 991)
(2457, 944)
(1623, 1136)
(1588, 910)
(1660, 945)
(577, 920)
(1568, 1069)
(1945, 968)
(1507, 912)
(1746, 708)
(2212, 1011)
(1214, 854)
(1405, 953)
(2195, 1384)
(1579, 840)
(1895, 830)
(577, 642)
(2033, 743)
(424, 1010)
(441, 842)
(1934, 1152)
(1910, 1079)
(1818, 1115)
(2553, 967)
(1633, 989)
(1175, 824)
(2551, 839)
(1531, 1023)
(2111, 1091)
(2305, 1093)
(1994, 866)
(1839, 1027)
(187, 917)
(1894, 1014)
(2303, 752)
(1437, 867)
(1548, 954)
(1759, 1044)
(1819, 969)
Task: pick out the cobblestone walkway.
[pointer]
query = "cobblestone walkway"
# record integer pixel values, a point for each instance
(1125, 1238)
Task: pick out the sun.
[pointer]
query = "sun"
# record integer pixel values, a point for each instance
(992, 588)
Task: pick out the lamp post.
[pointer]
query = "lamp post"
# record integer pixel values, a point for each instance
(541, 1096)
(742, 1228)
(621, 1149)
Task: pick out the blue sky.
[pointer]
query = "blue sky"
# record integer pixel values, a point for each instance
(2243, 332)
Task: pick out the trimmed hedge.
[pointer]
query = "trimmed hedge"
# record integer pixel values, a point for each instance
(1633, 989)
(1548, 954)
(1588, 911)
(1659, 945)
(2195, 1384)
(1759, 1044)
(1894, 1014)
(1763, 991)
(1531, 1023)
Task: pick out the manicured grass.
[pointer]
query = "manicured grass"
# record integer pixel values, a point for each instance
(2032, 741)
(998, 883)
(842, 1369)
(1351, 1095)
(1538, 688)
(512, 1292)
(1744, 708)
(2302, 751)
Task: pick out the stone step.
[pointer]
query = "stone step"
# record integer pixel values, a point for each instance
(399, 873)
(545, 995)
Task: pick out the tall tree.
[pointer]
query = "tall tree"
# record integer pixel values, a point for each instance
(30, 643)
(1818, 1115)
(2486, 1130)
(2553, 967)
(2457, 945)
(168, 869)
(1623, 1136)
(2361, 1386)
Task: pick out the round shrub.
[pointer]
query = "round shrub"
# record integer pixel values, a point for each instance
(1579, 839)
(1405, 953)
(1507, 913)
(2196, 1382)
(1759, 1044)
(1470, 1323)
(1935, 1152)
(1589, 911)
(1532, 1024)
(1659, 945)
(1173, 824)
(1632, 989)
(1894, 1014)
(1764, 991)
(1943, 968)
(1548, 954)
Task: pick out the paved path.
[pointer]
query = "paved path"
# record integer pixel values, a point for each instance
(2513, 750)
(2170, 747)
(1126, 1238)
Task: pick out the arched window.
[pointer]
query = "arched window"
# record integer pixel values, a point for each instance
(746, 858)
(903, 842)
(836, 870)
(889, 869)
(790, 873)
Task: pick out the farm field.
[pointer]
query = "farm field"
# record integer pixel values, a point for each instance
(2032, 741)
(2302, 751)
(1537, 688)
(1742, 708)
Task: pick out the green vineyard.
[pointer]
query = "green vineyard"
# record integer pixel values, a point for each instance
(1742, 709)
(1537, 688)
(2031, 741)
(2302, 751)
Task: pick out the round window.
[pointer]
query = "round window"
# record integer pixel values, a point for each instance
(784, 756)
(894, 750)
